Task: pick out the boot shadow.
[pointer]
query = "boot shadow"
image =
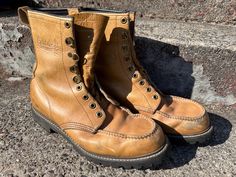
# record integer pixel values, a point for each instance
(172, 74)
(181, 154)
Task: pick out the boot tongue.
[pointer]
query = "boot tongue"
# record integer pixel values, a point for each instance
(89, 30)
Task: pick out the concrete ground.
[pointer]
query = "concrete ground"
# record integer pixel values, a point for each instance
(190, 59)
(27, 150)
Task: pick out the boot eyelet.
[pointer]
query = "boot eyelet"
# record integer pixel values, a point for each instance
(70, 55)
(142, 82)
(76, 79)
(72, 69)
(85, 97)
(75, 56)
(127, 58)
(92, 105)
(99, 114)
(67, 25)
(135, 75)
(155, 97)
(124, 20)
(79, 87)
(69, 41)
(125, 47)
(149, 89)
(124, 36)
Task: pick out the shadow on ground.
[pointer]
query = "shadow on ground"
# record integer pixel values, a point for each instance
(172, 74)
(180, 154)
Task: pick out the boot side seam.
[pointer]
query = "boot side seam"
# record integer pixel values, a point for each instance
(76, 126)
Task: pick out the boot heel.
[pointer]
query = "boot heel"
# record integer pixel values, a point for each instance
(40, 120)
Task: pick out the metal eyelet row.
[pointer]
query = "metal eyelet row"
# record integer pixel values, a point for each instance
(92, 106)
(149, 89)
(142, 82)
(74, 69)
(74, 56)
(132, 68)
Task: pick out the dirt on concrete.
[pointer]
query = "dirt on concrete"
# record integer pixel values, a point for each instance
(26, 150)
(210, 11)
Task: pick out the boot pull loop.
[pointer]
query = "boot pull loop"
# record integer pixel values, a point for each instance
(23, 14)
(73, 11)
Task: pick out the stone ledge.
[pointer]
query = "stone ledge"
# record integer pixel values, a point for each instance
(188, 59)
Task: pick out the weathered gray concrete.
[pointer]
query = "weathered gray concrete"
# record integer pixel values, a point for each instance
(27, 150)
(211, 11)
(198, 59)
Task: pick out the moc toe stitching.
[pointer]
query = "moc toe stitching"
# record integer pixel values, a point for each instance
(124, 136)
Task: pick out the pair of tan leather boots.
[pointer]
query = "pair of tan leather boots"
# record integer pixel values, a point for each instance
(88, 86)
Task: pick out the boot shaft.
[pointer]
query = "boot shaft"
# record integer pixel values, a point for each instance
(57, 81)
(89, 29)
(124, 78)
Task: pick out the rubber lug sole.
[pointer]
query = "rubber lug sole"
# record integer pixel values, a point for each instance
(149, 161)
(192, 139)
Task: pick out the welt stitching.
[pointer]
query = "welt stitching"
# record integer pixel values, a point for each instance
(85, 150)
(75, 124)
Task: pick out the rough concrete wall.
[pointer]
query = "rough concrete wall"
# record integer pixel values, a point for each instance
(211, 11)
(196, 60)
(16, 53)
(190, 59)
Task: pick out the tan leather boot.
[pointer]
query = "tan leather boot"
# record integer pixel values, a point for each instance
(122, 78)
(66, 100)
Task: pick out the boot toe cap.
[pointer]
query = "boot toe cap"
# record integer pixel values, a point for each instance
(184, 117)
(123, 143)
(143, 138)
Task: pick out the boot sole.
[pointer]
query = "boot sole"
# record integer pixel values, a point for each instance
(149, 161)
(192, 139)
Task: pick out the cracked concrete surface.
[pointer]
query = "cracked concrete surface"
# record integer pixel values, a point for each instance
(27, 150)
(198, 49)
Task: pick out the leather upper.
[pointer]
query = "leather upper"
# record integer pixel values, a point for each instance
(63, 88)
(181, 116)
(125, 80)
(53, 86)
